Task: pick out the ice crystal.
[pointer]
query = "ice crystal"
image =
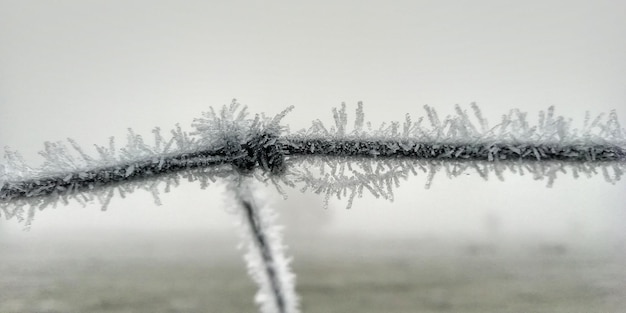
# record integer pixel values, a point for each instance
(218, 148)
(336, 160)
(265, 253)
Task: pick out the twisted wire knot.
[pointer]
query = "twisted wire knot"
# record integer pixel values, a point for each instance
(263, 150)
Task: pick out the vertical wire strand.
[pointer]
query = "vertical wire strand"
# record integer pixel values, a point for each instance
(266, 261)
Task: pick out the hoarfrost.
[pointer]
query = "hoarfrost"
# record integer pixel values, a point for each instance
(265, 252)
(335, 160)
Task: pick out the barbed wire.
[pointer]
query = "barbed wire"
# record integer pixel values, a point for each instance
(332, 160)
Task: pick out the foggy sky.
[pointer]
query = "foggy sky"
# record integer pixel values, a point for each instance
(90, 69)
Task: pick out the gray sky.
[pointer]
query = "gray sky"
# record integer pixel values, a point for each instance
(90, 69)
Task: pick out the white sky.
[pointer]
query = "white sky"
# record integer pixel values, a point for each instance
(90, 69)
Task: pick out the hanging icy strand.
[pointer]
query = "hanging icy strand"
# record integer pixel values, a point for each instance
(265, 255)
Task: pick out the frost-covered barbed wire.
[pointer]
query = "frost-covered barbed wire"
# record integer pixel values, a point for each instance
(335, 160)
(265, 257)
(342, 162)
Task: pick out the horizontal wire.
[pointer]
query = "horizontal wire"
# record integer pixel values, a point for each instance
(247, 157)
(456, 151)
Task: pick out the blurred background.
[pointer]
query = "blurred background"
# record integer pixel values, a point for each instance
(91, 69)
